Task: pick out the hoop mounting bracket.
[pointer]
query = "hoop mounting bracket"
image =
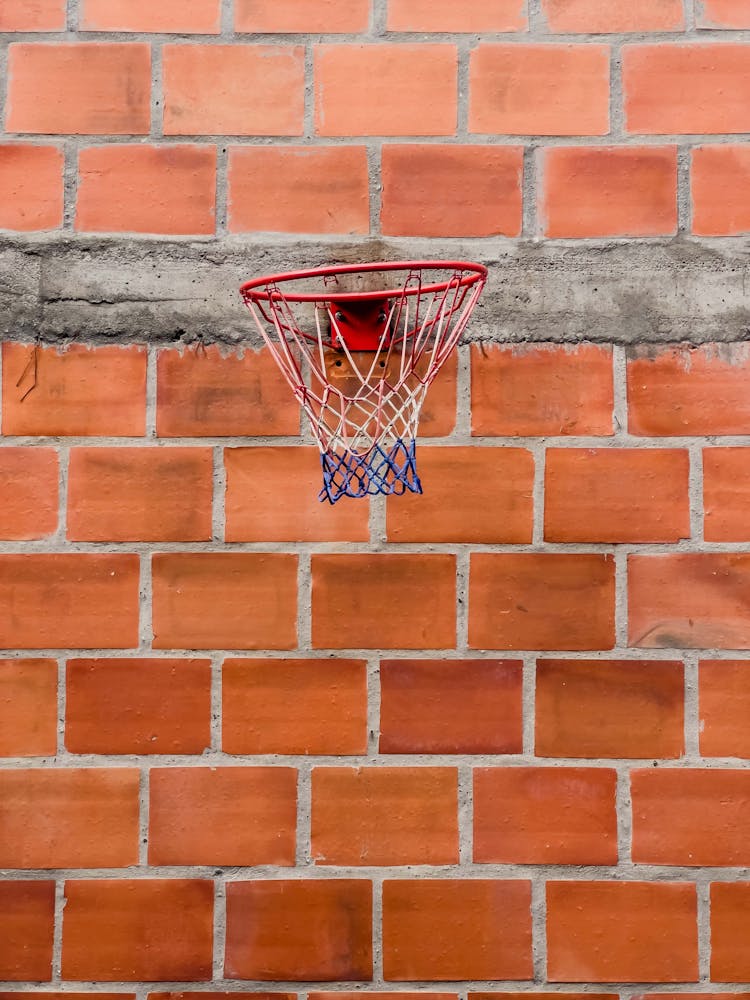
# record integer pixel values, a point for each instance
(361, 326)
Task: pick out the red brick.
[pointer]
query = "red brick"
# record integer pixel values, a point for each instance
(609, 708)
(69, 818)
(32, 15)
(127, 930)
(609, 191)
(89, 88)
(451, 706)
(65, 995)
(724, 708)
(444, 15)
(299, 189)
(461, 486)
(685, 89)
(691, 600)
(690, 390)
(380, 995)
(604, 932)
(138, 706)
(147, 189)
(239, 816)
(526, 995)
(218, 995)
(88, 391)
(720, 187)
(233, 89)
(444, 929)
(27, 916)
(309, 930)
(539, 89)
(722, 14)
(437, 417)
(75, 601)
(545, 815)
(385, 815)
(207, 394)
(453, 190)
(272, 495)
(359, 600)
(31, 186)
(140, 494)
(385, 89)
(225, 600)
(541, 390)
(28, 708)
(541, 601)
(615, 16)
(616, 495)
(199, 16)
(726, 493)
(294, 706)
(279, 16)
(28, 493)
(688, 816)
(730, 913)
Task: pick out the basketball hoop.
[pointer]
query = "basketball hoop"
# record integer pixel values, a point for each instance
(359, 344)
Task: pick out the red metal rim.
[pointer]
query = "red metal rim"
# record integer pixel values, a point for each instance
(261, 289)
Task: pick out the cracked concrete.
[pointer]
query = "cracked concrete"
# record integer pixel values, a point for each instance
(158, 291)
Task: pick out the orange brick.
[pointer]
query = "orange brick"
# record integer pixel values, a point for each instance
(720, 187)
(691, 600)
(616, 16)
(360, 600)
(385, 815)
(451, 706)
(89, 88)
(541, 601)
(526, 995)
(690, 390)
(722, 14)
(143, 706)
(294, 706)
(27, 920)
(78, 601)
(88, 391)
(140, 494)
(64, 995)
(28, 708)
(616, 495)
(222, 816)
(438, 414)
(726, 493)
(299, 189)
(129, 930)
(385, 89)
(460, 486)
(147, 189)
(219, 995)
(199, 16)
(730, 912)
(32, 15)
(604, 932)
(689, 816)
(233, 89)
(541, 390)
(272, 495)
(206, 394)
(609, 191)
(545, 815)
(443, 929)
(31, 187)
(28, 493)
(539, 89)
(279, 16)
(443, 15)
(609, 708)
(724, 687)
(454, 190)
(685, 89)
(69, 818)
(384, 995)
(225, 600)
(319, 930)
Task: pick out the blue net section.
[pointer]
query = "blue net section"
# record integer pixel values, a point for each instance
(391, 471)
